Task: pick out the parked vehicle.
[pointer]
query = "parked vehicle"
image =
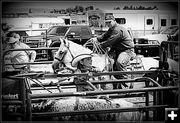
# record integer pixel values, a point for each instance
(157, 38)
(76, 33)
(153, 41)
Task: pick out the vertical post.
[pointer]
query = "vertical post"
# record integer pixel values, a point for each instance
(162, 60)
(46, 39)
(147, 104)
(28, 100)
(46, 51)
(23, 98)
(155, 117)
(144, 24)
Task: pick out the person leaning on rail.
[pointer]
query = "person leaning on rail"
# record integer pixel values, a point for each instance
(21, 56)
(121, 46)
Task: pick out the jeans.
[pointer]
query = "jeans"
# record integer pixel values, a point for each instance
(122, 61)
(124, 58)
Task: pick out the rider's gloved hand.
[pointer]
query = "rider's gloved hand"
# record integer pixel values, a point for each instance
(94, 39)
(95, 69)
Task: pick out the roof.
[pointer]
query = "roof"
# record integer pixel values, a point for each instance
(26, 29)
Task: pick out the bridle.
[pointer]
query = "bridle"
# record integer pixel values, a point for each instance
(67, 46)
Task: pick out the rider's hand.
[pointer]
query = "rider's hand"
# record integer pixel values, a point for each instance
(94, 39)
(95, 69)
(108, 49)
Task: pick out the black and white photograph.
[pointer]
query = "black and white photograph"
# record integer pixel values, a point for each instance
(90, 61)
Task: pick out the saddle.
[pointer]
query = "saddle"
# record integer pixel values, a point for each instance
(136, 63)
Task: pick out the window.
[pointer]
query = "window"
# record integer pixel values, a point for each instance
(173, 22)
(61, 30)
(121, 20)
(67, 21)
(85, 32)
(40, 25)
(149, 21)
(83, 21)
(74, 30)
(74, 22)
(163, 22)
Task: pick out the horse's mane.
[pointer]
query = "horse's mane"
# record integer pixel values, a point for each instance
(77, 48)
(74, 49)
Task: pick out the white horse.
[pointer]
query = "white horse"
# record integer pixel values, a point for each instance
(68, 50)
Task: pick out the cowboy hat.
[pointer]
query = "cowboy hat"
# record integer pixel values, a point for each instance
(12, 40)
(80, 57)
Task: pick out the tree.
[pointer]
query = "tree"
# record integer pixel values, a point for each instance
(69, 10)
(79, 9)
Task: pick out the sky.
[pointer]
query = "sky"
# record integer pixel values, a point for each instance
(108, 5)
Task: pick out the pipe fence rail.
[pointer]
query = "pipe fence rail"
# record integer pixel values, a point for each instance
(92, 93)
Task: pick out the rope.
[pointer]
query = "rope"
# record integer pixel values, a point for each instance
(97, 49)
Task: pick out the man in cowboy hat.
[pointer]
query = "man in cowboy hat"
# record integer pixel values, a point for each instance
(122, 46)
(19, 56)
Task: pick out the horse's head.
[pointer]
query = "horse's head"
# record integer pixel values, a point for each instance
(68, 50)
(60, 54)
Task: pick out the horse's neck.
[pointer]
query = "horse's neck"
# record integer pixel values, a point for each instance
(75, 50)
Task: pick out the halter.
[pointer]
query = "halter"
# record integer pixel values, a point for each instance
(67, 46)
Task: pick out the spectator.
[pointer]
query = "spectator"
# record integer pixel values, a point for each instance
(20, 56)
(122, 46)
(16, 36)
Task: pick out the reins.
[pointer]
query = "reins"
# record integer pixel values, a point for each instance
(67, 46)
(97, 49)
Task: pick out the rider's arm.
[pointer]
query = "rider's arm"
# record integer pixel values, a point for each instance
(104, 36)
(111, 40)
